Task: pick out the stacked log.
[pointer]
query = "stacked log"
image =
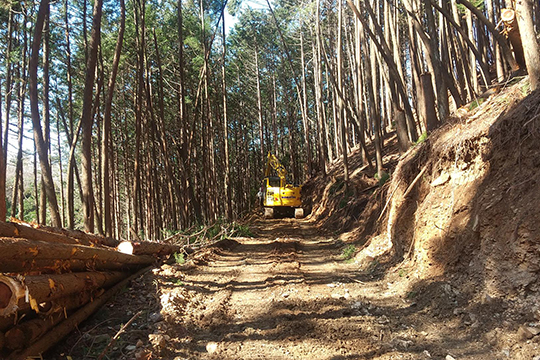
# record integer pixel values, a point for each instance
(52, 279)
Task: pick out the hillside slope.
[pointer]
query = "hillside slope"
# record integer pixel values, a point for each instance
(460, 209)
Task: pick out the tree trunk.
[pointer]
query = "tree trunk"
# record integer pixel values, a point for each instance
(227, 177)
(71, 161)
(44, 288)
(259, 104)
(87, 120)
(429, 114)
(341, 114)
(106, 143)
(45, 112)
(38, 134)
(305, 118)
(524, 10)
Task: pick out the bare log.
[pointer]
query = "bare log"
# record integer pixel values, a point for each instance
(77, 234)
(33, 290)
(27, 250)
(14, 230)
(7, 322)
(26, 333)
(508, 16)
(153, 248)
(23, 335)
(68, 325)
(59, 266)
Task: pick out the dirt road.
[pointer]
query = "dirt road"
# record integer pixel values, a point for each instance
(286, 294)
(271, 297)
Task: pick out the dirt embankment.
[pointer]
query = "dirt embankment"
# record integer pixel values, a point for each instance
(462, 211)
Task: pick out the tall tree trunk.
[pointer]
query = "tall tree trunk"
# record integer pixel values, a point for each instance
(9, 86)
(20, 135)
(341, 115)
(106, 143)
(87, 120)
(140, 39)
(305, 118)
(323, 150)
(38, 133)
(226, 180)
(71, 161)
(45, 111)
(192, 202)
(61, 171)
(524, 14)
(259, 103)
(440, 76)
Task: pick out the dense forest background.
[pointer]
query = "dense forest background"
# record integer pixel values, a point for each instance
(142, 118)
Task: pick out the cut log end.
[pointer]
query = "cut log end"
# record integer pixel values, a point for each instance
(508, 15)
(5, 295)
(10, 292)
(15, 339)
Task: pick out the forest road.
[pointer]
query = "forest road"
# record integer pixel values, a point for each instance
(279, 295)
(287, 293)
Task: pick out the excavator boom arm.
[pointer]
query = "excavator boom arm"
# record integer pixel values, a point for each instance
(273, 163)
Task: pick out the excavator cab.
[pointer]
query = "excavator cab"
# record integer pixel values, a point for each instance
(278, 197)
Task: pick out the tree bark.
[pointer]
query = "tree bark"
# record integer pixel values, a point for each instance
(38, 134)
(524, 10)
(87, 120)
(44, 288)
(429, 114)
(106, 143)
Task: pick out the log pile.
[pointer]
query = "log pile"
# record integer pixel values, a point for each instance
(53, 279)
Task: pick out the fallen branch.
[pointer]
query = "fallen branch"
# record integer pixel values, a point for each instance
(122, 329)
(409, 189)
(388, 200)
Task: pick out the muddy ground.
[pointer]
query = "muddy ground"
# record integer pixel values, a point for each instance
(287, 293)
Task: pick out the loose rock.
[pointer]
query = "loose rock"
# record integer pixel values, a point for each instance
(524, 333)
(211, 347)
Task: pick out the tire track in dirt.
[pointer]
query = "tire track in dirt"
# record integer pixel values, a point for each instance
(276, 296)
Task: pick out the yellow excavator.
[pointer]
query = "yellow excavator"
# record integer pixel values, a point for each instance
(278, 197)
